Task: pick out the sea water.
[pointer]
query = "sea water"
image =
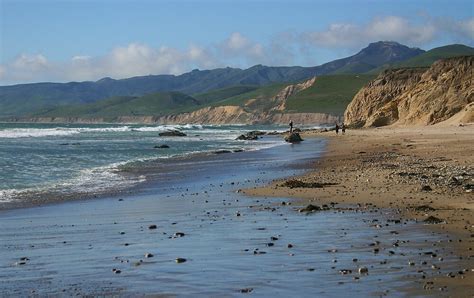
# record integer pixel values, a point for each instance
(83, 158)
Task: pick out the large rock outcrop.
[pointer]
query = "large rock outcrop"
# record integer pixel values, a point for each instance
(414, 96)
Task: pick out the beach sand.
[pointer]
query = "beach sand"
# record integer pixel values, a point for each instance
(420, 172)
(236, 244)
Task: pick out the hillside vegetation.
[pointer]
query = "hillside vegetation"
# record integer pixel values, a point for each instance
(156, 104)
(427, 58)
(329, 94)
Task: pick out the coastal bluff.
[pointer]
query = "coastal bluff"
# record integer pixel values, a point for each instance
(416, 96)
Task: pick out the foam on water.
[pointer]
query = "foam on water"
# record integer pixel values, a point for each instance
(65, 131)
(89, 159)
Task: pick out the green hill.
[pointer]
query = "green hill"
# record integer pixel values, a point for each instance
(220, 94)
(429, 57)
(260, 94)
(329, 94)
(155, 104)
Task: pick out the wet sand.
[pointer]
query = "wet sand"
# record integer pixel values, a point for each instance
(232, 244)
(418, 172)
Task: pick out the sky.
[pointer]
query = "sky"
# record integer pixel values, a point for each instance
(72, 40)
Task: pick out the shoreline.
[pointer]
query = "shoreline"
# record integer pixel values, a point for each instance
(409, 170)
(150, 170)
(200, 214)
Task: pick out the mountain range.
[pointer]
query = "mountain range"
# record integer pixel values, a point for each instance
(207, 87)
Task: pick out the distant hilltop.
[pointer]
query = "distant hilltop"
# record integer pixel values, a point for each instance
(248, 95)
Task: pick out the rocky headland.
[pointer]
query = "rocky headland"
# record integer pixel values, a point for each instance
(416, 96)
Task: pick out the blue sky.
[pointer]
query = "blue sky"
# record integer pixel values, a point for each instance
(65, 40)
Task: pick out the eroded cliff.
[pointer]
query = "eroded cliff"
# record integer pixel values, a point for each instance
(415, 96)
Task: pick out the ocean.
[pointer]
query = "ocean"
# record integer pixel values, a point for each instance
(79, 159)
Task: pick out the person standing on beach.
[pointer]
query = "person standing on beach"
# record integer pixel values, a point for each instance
(343, 128)
(337, 128)
(291, 126)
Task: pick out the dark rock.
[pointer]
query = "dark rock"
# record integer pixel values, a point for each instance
(293, 138)
(238, 150)
(469, 187)
(178, 234)
(426, 188)
(172, 133)
(345, 271)
(294, 183)
(164, 146)
(250, 136)
(222, 151)
(152, 227)
(310, 208)
(433, 220)
(424, 208)
(246, 290)
(148, 255)
(180, 260)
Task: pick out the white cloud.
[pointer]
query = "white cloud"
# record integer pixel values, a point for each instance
(387, 28)
(237, 50)
(457, 29)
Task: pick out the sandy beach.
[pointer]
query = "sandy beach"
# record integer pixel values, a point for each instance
(424, 173)
(192, 232)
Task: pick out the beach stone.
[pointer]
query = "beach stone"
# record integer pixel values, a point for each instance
(345, 271)
(222, 151)
(293, 138)
(246, 290)
(164, 146)
(424, 208)
(433, 220)
(178, 234)
(363, 270)
(152, 227)
(310, 208)
(180, 260)
(250, 136)
(172, 133)
(149, 255)
(426, 188)
(295, 183)
(290, 245)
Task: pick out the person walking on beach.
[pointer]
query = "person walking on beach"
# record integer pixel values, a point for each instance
(343, 128)
(337, 128)
(291, 126)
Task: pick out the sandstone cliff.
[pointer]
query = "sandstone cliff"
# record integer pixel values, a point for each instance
(415, 96)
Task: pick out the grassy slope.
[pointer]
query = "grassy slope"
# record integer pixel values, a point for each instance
(220, 94)
(152, 104)
(429, 57)
(329, 94)
(261, 93)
